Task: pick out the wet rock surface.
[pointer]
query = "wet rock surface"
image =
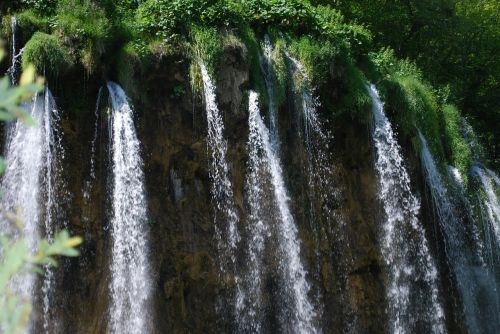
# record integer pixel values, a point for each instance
(343, 260)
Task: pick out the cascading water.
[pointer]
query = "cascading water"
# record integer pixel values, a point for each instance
(494, 176)
(226, 229)
(90, 181)
(475, 284)
(487, 219)
(490, 207)
(32, 184)
(267, 69)
(264, 167)
(12, 71)
(460, 192)
(317, 140)
(492, 202)
(323, 194)
(130, 281)
(412, 290)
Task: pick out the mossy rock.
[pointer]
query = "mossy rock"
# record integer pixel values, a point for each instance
(47, 54)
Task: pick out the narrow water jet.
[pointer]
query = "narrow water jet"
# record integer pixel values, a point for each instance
(90, 182)
(297, 314)
(266, 63)
(322, 192)
(130, 284)
(12, 71)
(482, 194)
(33, 185)
(226, 220)
(494, 176)
(318, 144)
(412, 290)
(474, 282)
(491, 202)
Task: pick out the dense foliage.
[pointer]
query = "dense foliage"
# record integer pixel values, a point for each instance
(425, 55)
(456, 43)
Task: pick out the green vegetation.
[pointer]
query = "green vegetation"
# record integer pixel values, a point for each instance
(16, 259)
(127, 64)
(411, 100)
(46, 54)
(458, 147)
(253, 56)
(207, 47)
(432, 52)
(454, 42)
(317, 57)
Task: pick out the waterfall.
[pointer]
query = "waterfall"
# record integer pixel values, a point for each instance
(226, 217)
(491, 202)
(487, 218)
(494, 176)
(317, 140)
(264, 166)
(266, 63)
(322, 192)
(489, 205)
(90, 181)
(12, 70)
(412, 291)
(475, 284)
(130, 277)
(32, 184)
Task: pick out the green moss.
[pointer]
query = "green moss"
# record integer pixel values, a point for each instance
(280, 71)
(195, 78)
(455, 142)
(28, 22)
(208, 47)
(414, 106)
(127, 65)
(84, 27)
(316, 56)
(46, 54)
(412, 101)
(354, 97)
(253, 60)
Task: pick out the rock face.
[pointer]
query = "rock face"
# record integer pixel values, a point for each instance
(344, 263)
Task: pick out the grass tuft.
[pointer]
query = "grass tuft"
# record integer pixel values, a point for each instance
(46, 53)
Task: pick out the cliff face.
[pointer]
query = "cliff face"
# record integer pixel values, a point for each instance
(341, 252)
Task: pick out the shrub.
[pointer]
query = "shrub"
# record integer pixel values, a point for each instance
(46, 54)
(28, 23)
(287, 15)
(83, 26)
(40, 6)
(390, 66)
(170, 18)
(331, 23)
(81, 20)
